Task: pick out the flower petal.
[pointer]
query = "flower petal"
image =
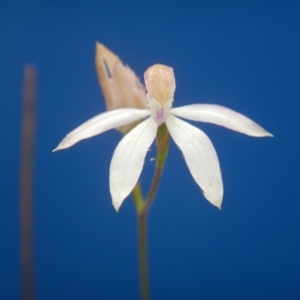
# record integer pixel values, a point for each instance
(200, 156)
(128, 159)
(222, 116)
(102, 123)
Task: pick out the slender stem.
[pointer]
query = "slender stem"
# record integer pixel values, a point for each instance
(142, 242)
(137, 196)
(27, 182)
(142, 208)
(162, 140)
(152, 190)
(143, 256)
(142, 215)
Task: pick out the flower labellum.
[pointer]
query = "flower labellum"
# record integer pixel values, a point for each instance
(199, 153)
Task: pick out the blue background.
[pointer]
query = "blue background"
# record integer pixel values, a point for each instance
(240, 54)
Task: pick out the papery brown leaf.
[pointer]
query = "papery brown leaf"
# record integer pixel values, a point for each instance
(120, 86)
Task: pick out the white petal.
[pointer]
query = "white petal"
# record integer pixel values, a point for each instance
(128, 159)
(222, 116)
(200, 156)
(102, 123)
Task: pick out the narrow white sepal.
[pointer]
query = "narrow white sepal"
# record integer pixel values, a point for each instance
(200, 156)
(101, 123)
(128, 159)
(222, 116)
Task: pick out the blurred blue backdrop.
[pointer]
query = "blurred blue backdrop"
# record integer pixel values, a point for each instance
(240, 54)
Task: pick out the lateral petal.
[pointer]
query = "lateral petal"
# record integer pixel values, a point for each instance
(128, 159)
(101, 123)
(222, 116)
(200, 156)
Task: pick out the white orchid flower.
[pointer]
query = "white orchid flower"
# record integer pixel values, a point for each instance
(199, 152)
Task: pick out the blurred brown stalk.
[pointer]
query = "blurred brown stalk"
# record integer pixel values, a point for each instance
(28, 128)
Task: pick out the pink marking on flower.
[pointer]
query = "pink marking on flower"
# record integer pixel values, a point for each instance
(159, 116)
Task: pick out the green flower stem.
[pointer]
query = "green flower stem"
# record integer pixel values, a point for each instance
(137, 196)
(142, 207)
(143, 255)
(162, 140)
